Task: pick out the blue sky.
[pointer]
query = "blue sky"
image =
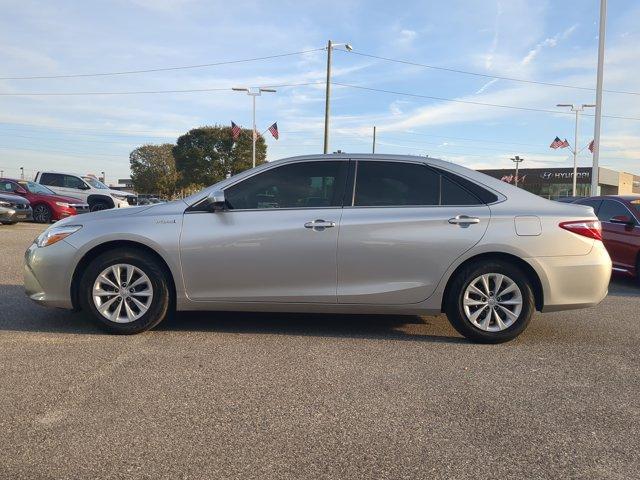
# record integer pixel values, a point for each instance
(544, 41)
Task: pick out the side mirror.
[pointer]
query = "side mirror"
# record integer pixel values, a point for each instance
(622, 220)
(20, 191)
(216, 201)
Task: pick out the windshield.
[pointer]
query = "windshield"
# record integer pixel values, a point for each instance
(95, 183)
(34, 187)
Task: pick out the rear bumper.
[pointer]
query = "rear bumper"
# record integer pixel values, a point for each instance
(571, 282)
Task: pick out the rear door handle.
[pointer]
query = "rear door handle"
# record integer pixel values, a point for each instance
(464, 220)
(319, 225)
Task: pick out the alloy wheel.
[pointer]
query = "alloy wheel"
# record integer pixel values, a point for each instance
(122, 293)
(492, 302)
(41, 214)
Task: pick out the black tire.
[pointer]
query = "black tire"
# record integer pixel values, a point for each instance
(42, 213)
(9, 223)
(454, 307)
(97, 206)
(161, 301)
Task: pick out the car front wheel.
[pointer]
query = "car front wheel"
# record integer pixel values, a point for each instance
(490, 302)
(42, 214)
(126, 291)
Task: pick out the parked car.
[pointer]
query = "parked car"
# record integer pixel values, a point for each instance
(46, 205)
(14, 209)
(416, 236)
(87, 188)
(620, 217)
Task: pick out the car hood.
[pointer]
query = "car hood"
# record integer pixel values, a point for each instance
(13, 198)
(170, 208)
(60, 198)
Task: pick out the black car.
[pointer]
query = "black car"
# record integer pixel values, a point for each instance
(14, 209)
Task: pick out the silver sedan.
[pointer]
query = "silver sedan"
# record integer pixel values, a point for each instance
(332, 233)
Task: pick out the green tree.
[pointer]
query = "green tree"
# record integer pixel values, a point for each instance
(206, 155)
(153, 169)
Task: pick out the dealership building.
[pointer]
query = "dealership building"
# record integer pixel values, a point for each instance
(555, 183)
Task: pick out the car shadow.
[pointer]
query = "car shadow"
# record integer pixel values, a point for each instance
(624, 286)
(19, 314)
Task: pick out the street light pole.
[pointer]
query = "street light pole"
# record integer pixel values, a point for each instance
(517, 161)
(21, 173)
(374, 140)
(254, 92)
(327, 97)
(599, 80)
(577, 109)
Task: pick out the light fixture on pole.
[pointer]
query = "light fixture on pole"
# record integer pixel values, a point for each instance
(254, 92)
(599, 79)
(517, 161)
(330, 47)
(577, 109)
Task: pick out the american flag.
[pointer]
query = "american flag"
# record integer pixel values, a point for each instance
(273, 129)
(591, 145)
(235, 131)
(557, 143)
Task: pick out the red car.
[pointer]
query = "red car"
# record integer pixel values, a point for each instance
(47, 206)
(620, 218)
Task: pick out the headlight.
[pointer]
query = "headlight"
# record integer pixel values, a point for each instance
(62, 204)
(55, 234)
(119, 197)
(4, 204)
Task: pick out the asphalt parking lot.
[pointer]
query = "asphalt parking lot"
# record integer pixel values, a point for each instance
(226, 395)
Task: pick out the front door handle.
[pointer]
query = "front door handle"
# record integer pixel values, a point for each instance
(464, 220)
(319, 225)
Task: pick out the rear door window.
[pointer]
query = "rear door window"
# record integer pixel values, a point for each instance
(52, 179)
(610, 209)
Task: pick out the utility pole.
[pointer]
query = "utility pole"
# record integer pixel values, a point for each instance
(254, 92)
(327, 97)
(599, 79)
(577, 109)
(373, 150)
(517, 161)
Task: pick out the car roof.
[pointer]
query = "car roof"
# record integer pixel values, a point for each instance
(628, 197)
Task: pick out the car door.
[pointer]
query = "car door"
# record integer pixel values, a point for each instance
(275, 242)
(407, 224)
(620, 240)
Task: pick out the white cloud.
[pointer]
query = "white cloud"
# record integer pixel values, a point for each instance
(547, 43)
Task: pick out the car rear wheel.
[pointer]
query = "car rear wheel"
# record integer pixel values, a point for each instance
(97, 206)
(42, 214)
(126, 291)
(490, 302)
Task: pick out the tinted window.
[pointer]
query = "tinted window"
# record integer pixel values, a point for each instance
(300, 185)
(482, 194)
(395, 183)
(7, 187)
(453, 194)
(73, 182)
(53, 179)
(590, 203)
(610, 209)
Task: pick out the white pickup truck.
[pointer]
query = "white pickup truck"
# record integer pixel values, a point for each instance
(87, 188)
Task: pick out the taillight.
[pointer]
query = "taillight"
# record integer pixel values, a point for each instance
(586, 228)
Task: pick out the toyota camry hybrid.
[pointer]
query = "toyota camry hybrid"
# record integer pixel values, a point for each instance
(336, 233)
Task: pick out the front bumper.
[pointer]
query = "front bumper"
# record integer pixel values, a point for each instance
(48, 272)
(13, 214)
(574, 281)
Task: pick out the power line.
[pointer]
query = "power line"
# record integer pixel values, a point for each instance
(161, 69)
(471, 102)
(486, 75)
(146, 92)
